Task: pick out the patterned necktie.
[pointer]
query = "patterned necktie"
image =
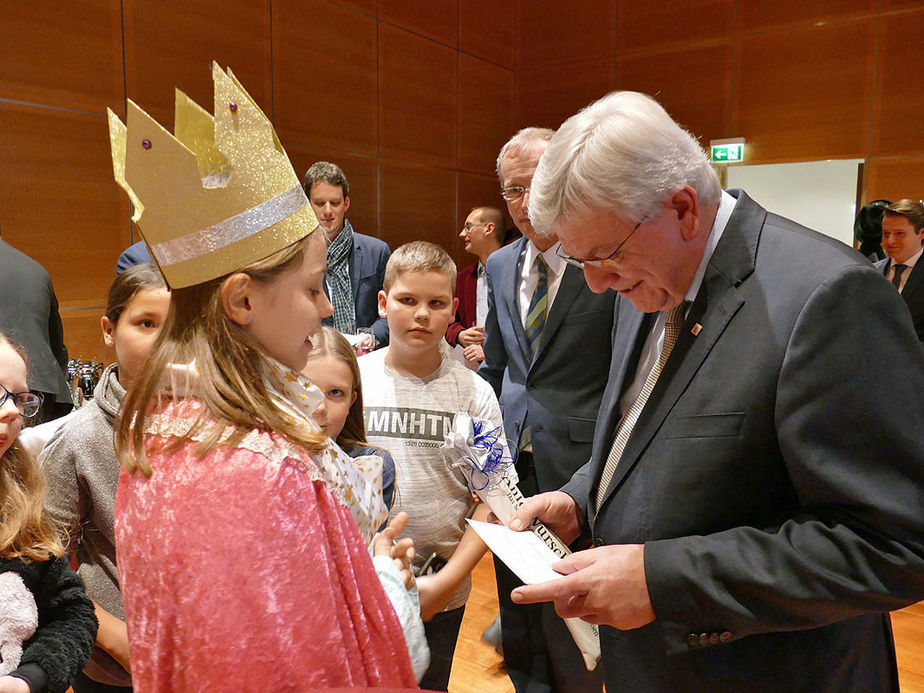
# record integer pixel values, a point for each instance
(539, 305)
(897, 275)
(672, 326)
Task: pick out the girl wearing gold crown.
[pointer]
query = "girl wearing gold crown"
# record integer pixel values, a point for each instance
(241, 528)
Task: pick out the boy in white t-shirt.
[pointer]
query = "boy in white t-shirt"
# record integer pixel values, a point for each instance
(411, 391)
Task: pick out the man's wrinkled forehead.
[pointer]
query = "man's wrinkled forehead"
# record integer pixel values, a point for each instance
(523, 157)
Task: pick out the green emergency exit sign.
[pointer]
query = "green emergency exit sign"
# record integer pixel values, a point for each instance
(730, 151)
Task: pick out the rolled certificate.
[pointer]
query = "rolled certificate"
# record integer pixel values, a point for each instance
(473, 447)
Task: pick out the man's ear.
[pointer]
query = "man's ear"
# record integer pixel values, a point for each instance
(383, 299)
(685, 204)
(346, 205)
(237, 298)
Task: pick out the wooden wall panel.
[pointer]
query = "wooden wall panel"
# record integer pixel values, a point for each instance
(546, 96)
(379, 87)
(417, 98)
(549, 33)
(418, 203)
(172, 43)
(58, 201)
(486, 29)
(361, 172)
(645, 25)
(901, 4)
(755, 15)
(324, 68)
(893, 179)
(697, 99)
(485, 112)
(63, 54)
(435, 19)
(83, 335)
(790, 112)
(369, 7)
(899, 101)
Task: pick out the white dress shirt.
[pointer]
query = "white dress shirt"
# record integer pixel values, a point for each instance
(909, 265)
(481, 295)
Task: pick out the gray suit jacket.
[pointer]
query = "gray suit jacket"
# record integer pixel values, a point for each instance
(776, 483)
(29, 316)
(558, 392)
(912, 294)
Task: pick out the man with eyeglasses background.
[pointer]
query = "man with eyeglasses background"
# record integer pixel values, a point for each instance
(482, 234)
(547, 353)
(29, 316)
(753, 498)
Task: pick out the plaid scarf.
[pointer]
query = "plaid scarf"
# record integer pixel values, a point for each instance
(338, 273)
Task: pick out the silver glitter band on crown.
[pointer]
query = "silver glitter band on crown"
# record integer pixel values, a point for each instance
(232, 230)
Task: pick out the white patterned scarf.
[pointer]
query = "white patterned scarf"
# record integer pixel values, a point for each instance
(355, 482)
(338, 273)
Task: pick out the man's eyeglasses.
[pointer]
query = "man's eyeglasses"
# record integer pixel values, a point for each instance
(470, 226)
(27, 403)
(597, 261)
(514, 193)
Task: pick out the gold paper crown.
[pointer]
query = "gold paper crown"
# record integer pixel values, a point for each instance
(218, 196)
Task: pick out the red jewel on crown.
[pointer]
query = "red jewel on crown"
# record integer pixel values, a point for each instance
(233, 107)
(146, 144)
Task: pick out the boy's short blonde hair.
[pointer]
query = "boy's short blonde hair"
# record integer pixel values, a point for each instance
(419, 256)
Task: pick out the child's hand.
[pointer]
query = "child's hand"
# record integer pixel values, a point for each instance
(401, 552)
(474, 352)
(430, 594)
(11, 684)
(365, 343)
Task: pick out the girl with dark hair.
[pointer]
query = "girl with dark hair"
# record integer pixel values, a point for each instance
(83, 471)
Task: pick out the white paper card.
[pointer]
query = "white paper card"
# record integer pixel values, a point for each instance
(523, 552)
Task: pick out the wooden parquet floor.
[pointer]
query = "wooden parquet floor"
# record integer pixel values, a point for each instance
(476, 668)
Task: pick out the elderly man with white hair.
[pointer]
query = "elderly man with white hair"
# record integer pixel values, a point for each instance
(755, 500)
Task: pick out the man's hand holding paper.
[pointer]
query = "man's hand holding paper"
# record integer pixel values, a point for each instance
(605, 585)
(602, 585)
(556, 510)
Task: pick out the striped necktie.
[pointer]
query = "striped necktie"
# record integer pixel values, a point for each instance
(539, 305)
(672, 326)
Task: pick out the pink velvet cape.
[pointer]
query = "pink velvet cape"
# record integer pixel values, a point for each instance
(241, 571)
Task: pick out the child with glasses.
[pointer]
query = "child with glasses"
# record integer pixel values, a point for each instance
(47, 625)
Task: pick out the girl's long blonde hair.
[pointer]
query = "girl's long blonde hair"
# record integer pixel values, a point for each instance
(26, 530)
(329, 342)
(230, 371)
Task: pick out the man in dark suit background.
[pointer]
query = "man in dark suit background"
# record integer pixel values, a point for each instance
(548, 368)
(754, 500)
(29, 316)
(902, 235)
(355, 262)
(482, 233)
